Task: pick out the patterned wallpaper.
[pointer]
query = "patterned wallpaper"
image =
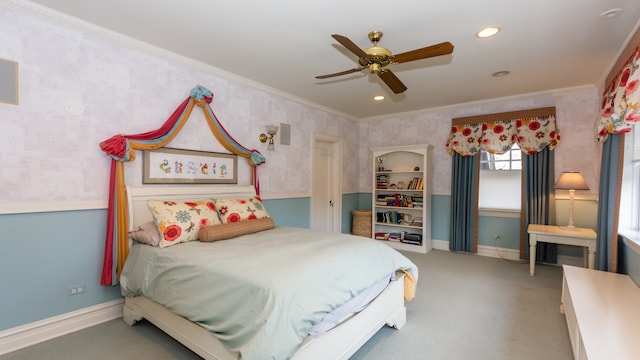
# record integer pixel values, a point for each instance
(79, 87)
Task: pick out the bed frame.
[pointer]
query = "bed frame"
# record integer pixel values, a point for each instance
(339, 343)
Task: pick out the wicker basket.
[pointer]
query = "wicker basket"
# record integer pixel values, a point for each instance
(361, 223)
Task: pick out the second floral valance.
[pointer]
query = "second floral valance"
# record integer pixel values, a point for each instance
(533, 130)
(620, 107)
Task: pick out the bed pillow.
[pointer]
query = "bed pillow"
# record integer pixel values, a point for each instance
(234, 229)
(146, 233)
(233, 210)
(179, 221)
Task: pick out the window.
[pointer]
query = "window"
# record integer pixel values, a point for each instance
(500, 180)
(510, 160)
(630, 196)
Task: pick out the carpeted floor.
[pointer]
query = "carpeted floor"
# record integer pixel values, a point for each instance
(467, 307)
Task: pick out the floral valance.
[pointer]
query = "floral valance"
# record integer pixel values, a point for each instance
(533, 130)
(621, 100)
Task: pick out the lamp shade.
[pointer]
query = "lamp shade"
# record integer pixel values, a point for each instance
(571, 180)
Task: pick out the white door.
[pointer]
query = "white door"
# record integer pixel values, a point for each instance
(326, 205)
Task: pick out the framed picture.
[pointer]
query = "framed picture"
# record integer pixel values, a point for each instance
(177, 166)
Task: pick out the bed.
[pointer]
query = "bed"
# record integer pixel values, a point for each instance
(203, 336)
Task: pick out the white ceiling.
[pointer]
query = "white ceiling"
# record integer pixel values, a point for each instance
(545, 44)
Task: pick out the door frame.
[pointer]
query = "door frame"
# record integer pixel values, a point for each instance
(336, 163)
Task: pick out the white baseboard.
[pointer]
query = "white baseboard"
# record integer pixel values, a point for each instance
(30, 334)
(440, 245)
(570, 260)
(496, 252)
(509, 254)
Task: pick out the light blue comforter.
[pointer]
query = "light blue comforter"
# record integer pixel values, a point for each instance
(260, 294)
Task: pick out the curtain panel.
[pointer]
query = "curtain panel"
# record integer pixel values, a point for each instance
(465, 176)
(538, 202)
(609, 203)
(121, 148)
(620, 107)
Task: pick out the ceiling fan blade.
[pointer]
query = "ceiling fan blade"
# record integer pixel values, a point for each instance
(350, 45)
(339, 73)
(426, 52)
(392, 81)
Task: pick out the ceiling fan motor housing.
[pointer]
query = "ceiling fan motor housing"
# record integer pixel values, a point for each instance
(377, 57)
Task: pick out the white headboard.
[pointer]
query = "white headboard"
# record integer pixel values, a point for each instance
(137, 197)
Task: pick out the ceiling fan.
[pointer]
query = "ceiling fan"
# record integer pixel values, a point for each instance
(376, 58)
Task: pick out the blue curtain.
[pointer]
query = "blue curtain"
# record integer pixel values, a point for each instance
(464, 203)
(609, 193)
(538, 202)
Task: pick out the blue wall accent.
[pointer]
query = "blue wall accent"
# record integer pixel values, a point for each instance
(290, 212)
(45, 253)
(628, 262)
(440, 217)
(508, 230)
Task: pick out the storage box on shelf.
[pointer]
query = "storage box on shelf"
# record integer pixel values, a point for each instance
(401, 197)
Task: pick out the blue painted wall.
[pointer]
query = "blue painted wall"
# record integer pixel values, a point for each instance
(45, 253)
(629, 262)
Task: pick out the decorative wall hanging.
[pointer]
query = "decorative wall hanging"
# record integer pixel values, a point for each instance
(122, 148)
(177, 166)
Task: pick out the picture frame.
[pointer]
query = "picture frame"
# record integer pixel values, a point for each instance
(8, 81)
(180, 166)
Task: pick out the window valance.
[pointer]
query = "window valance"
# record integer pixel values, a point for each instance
(621, 100)
(533, 130)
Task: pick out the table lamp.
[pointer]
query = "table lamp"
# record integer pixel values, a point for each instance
(572, 181)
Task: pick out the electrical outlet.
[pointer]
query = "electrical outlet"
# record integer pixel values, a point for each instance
(75, 290)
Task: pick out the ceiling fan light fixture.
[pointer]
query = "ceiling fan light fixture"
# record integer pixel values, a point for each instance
(488, 32)
(378, 97)
(500, 73)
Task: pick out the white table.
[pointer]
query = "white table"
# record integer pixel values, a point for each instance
(558, 235)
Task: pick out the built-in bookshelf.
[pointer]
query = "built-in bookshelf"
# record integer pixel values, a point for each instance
(401, 197)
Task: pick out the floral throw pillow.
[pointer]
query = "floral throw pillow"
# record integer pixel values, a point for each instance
(233, 210)
(180, 221)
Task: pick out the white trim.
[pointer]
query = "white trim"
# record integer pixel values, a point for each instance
(285, 196)
(50, 206)
(569, 260)
(440, 245)
(509, 254)
(56, 206)
(470, 105)
(30, 334)
(504, 213)
(503, 253)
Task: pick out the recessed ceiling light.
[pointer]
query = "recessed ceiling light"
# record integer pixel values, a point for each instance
(488, 32)
(610, 13)
(500, 73)
(378, 98)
